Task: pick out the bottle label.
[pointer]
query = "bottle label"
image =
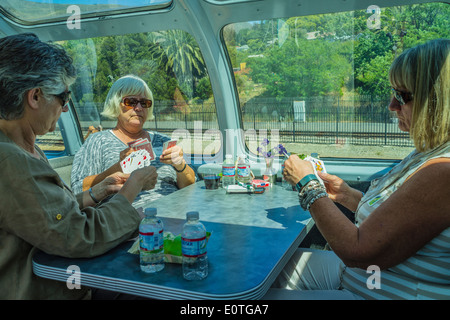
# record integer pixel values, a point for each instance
(193, 248)
(243, 171)
(151, 242)
(228, 171)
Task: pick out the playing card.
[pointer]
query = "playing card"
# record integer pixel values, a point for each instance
(143, 144)
(136, 160)
(169, 144)
(318, 165)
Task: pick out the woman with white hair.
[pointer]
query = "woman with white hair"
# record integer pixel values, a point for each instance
(130, 103)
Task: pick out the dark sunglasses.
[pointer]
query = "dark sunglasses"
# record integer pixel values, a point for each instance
(64, 97)
(402, 97)
(132, 102)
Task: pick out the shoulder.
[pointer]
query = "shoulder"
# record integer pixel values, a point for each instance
(430, 187)
(105, 135)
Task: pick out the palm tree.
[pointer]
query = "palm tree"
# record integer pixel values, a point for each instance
(180, 55)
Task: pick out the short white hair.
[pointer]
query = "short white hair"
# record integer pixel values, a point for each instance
(128, 85)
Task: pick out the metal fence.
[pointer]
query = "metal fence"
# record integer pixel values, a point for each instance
(357, 120)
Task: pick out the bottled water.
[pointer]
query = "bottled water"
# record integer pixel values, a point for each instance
(151, 242)
(193, 247)
(228, 171)
(243, 170)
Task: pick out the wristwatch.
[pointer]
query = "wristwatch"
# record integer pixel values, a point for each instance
(304, 181)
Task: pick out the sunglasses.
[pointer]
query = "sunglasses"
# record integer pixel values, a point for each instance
(132, 102)
(64, 97)
(402, 97)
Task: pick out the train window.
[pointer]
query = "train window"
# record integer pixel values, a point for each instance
(39, 11)
(172, 65)
(319, 83)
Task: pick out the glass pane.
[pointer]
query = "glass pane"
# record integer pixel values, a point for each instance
(52, 143)
(42, 10)
(170, 62)
(320, 83)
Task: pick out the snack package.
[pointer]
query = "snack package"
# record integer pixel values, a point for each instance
(172, 247)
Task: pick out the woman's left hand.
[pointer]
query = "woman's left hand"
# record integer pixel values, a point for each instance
(295, 169)
(173, 156)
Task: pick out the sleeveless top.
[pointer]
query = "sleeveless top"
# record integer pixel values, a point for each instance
(426, 274)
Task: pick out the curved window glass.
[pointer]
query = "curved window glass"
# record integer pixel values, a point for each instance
(319, 83)
(170, 62)
(38, 11)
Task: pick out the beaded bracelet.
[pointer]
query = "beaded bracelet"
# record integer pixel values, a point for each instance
(312, 191)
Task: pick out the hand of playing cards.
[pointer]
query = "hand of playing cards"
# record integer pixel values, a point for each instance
(140, 158)
(318, 165)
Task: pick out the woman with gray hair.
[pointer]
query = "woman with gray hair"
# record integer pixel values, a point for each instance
(130, 103)
(38, 211)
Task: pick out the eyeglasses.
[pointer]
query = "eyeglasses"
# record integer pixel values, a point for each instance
(132, 103)
(64, 96)
(402, 97)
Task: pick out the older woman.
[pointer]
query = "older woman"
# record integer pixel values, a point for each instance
(403, 221)
(38, 211)
(130, 103)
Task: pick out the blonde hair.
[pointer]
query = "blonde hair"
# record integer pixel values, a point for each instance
(128, 85)
(424, 71)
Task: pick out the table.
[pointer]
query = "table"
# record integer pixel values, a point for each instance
(253, 236)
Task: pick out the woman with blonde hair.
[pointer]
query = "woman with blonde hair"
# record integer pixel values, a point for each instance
(130, 103)
(402, 228)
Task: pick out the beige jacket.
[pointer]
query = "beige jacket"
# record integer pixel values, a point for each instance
(38, 211)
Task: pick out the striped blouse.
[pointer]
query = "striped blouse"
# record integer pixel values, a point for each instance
(102, 150)
(426, 274)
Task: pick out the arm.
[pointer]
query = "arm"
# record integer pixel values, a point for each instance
(92, 180)
(397, 229)
(38, 208)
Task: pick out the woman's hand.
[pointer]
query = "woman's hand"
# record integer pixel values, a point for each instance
(140, 179)
(295, 169)
(110, 185)
(339, 191)
(173, 156)
(146, 177)
(125, 153)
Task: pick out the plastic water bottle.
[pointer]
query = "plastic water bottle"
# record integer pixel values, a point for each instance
(228, 171)
(193, 247)
(151, 242)
(243, 170)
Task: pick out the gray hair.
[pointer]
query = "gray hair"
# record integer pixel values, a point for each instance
(27, 63)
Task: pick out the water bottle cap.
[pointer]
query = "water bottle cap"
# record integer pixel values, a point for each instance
(192, 215)
(228, 156)
(150, 212)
